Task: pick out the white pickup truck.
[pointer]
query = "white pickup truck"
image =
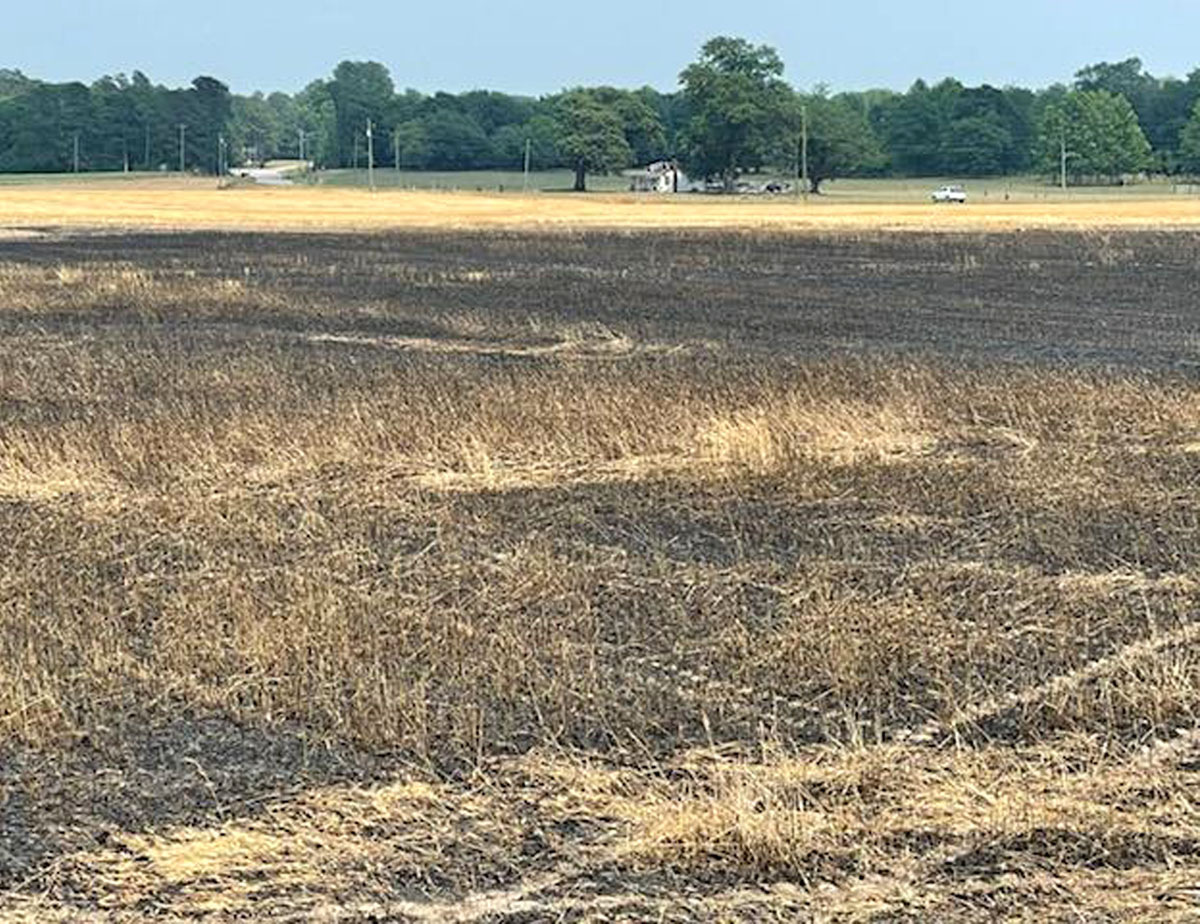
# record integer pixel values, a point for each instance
(949, 194)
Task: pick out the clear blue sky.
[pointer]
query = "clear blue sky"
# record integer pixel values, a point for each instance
(539, 46)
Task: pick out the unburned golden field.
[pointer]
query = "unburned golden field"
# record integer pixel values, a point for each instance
(195, 204)
(642, 573)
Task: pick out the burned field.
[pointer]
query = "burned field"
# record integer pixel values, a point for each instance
(669, 576)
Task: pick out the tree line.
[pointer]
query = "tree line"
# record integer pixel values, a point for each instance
(732, 114)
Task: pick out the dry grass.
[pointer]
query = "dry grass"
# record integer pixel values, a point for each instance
(476, 579)
(845, 835)
(198, 205)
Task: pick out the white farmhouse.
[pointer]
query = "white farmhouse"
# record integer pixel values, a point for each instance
(660, 177)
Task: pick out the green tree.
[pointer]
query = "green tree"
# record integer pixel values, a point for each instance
(493, 111)
(1162, 105)
(640, 121)
(1173, 107)
(150, 107)
(360, 90)
(116, 131)
(1124, 78)
(591, 138)
(30, 132)
(413, 142)
(989, 132)
(208, 106)
(840, 139)
(674, 114)
(455, 141)
(1189, 143)
(254, 130)
(911, 127)
(508, 144)
(1100, 132)
(976, 146)
(283, 115)
(317, 115)
(75, 114)
(13, 83)
(738, 107)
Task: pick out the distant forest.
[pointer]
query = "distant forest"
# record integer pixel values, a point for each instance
(733, 114)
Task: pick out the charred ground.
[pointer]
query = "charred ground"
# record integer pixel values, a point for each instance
(506, 576)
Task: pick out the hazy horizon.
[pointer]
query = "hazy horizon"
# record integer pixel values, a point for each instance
(538, 50)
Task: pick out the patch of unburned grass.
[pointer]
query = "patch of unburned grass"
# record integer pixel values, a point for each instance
(199, 205)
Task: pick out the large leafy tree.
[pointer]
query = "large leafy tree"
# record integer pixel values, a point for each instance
(976, 146)
(840, 139)
(317, 116)
(255, 130)
(1125, 78)
(75, 114)
(360, 90)
(541, 133)
(953, 129)
(31, 132)
(116, 132)
(912, 126)
(151, 110)
(739, 108)
(13, 83)
(1100, 132)
(640, 121)
(1162, 105)
(207, 106)
(591, 138)
(411, 143)
(455, 141)
(1189, 143)
(1174, 104)
(989, 132)
(492, 111)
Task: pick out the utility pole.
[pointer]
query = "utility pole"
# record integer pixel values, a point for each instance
(370, 157)
(125, 153)
(220, 156)
(182, 146)
(1063, 156)
(799, 169)
(396, 145)
(300, 131)
(804, 149)
(75, 160)
(1062, 168)
(528, 151)
(1062, 138)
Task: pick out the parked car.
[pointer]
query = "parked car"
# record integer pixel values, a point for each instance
(949, 194)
